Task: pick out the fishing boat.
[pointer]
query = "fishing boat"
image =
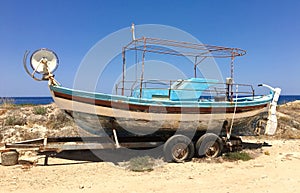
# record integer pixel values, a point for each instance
(160, 107)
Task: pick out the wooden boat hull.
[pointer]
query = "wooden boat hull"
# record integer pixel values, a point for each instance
(99, 116)
(101, 125)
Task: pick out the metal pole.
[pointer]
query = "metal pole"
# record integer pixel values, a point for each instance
(231, 75)
(123, 71)
(195, 67)
(143, 68)
(196, 64)
(232, 66)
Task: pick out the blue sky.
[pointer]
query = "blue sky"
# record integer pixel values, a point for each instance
(268, 29)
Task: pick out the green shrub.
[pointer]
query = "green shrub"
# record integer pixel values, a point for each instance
(234, 156)
(12, 120)
(39, 110)
(141, 164)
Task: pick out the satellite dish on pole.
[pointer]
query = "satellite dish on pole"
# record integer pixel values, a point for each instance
(42, 61)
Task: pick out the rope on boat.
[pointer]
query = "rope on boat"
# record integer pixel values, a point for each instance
(234, 111)
(52, 81)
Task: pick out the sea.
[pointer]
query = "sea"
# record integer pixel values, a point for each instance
(47, 100)
(27, 100)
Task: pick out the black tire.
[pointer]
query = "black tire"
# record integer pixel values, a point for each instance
(209, 145)
(179, 148)
(9, 158)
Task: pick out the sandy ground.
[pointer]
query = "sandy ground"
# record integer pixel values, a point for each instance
(276, 169)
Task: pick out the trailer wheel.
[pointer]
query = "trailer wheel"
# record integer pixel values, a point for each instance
(179, 148)
(209, 145)
(9, 158)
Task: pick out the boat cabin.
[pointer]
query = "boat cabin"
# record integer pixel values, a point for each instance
(180, 90)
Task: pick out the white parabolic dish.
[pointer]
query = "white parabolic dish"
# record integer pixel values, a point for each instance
(44, 61)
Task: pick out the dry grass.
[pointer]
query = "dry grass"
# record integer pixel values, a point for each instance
(59, 121)
(288, 127)
(289, 121)
(7, 102)
(27, 135)
(13, 120)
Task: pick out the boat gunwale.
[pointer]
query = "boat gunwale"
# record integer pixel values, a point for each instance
(146, 105)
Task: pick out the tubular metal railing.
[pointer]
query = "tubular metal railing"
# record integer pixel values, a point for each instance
(216, 89)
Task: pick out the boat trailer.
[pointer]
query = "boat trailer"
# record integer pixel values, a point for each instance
(51, 146)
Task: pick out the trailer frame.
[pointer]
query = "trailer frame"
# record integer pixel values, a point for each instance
(176, 147)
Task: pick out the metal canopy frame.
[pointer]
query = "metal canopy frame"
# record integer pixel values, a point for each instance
(178, 48)
(163, 46)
